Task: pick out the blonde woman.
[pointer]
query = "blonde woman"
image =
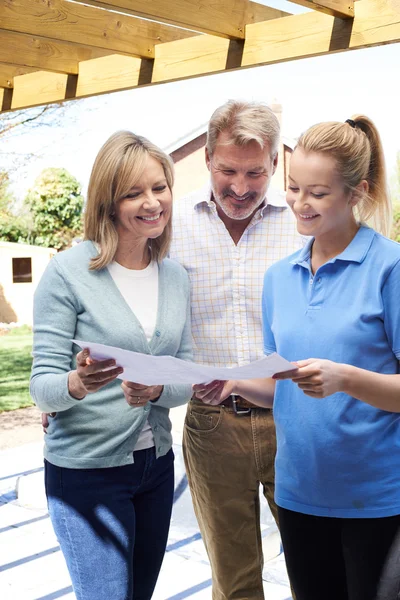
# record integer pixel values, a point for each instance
(333, 309)
(108, 459)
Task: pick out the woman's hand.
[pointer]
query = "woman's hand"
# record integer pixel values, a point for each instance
(317, 377)
(214, 392)
(91, 375)
(137, 395)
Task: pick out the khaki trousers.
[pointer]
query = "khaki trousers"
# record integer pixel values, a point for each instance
(227, 457)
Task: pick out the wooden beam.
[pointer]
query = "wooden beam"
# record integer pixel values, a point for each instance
(376, 22)
(343, 9)
(41, 87)
(44, 53)
(5, 99)
(311, 34)
(225, 18)
(80, 24)
(259, 12)
(8, 72)
(114, 72)
(187, 58)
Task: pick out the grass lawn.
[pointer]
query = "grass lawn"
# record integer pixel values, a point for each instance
(15, 368)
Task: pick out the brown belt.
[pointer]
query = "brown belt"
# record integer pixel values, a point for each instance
(240, 405)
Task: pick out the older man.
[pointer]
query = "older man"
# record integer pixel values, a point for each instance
(226, 236)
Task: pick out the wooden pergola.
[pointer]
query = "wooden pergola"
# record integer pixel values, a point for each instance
(55, 50)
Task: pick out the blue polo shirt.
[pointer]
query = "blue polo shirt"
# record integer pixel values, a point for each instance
(337, 456)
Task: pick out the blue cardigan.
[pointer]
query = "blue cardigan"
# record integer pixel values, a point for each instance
(72, 302)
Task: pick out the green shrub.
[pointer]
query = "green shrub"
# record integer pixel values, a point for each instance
(396, 224)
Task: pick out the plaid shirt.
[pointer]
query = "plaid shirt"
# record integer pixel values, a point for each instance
(227, 279)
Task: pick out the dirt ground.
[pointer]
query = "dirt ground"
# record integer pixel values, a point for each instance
(19, 427)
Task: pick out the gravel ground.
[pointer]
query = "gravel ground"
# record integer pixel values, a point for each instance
(19, 427)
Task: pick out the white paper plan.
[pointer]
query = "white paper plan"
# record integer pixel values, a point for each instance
(162, 370)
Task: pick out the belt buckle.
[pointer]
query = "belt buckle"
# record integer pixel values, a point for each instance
(239, 412)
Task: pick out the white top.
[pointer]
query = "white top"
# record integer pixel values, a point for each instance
(139, 289)
(227, 279)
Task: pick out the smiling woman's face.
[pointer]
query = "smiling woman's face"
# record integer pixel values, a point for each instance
(146, 210)
(317, 195)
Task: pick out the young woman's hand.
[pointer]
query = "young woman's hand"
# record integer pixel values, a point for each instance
(138, 395)
(317, 377)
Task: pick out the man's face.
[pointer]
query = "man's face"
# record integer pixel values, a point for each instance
(240, 176)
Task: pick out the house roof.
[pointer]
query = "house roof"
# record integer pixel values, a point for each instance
(189, 137)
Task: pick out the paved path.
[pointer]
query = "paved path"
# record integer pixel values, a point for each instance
(32, 566)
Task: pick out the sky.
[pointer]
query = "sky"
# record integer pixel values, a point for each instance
(324, 88)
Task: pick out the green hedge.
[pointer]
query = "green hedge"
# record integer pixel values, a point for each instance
(396, 224)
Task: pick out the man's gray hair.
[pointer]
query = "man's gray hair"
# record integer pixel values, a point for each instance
(245, 122)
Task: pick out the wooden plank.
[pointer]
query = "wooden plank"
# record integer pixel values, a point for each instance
(41, 87)
(44, 53)
(225, 18)
(188, 58)
(8, 72)
(311, 34)
(258, 12)
(336, 8)
(114, 72)
(80, 24)
(376, 22)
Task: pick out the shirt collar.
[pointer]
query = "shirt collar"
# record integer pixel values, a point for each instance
(276, 199)
(356, 251)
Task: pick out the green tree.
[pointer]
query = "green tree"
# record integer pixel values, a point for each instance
(395, 188)
(14, 225)
(396, 224)
(55, 203)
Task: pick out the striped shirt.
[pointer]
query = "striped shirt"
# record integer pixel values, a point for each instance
(227, 279)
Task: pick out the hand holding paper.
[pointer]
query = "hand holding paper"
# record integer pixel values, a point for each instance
(163, 370)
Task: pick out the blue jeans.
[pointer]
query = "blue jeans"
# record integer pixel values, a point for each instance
(112, 524)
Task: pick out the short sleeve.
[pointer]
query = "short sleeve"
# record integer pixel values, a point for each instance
(391, 306)
(269, 344)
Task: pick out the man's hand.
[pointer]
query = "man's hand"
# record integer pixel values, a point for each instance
(138, 395)
(45, 420)
(214, 392)
(317, 377)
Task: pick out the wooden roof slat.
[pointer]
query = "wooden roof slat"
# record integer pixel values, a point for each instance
(5, 99)
(44, 53)
(203, 54)
(116, 71)
(336, 8)
(80, 24)
(41, 87)
(311, 34)
(8, 72)
(226, 18)
(297, 36)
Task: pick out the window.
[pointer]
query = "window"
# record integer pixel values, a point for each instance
(22, 270)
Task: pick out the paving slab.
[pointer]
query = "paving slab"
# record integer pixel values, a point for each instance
(32, 566)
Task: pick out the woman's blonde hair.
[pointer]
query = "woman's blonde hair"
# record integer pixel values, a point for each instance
(118, 166)
(245, 122)
(357, 149)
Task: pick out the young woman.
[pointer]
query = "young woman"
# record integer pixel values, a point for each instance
(108, 460)
(333, 309)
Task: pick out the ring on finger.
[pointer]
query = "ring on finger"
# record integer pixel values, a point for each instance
(138, 399)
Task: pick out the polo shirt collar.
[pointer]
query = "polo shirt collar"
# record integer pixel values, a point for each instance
(356, 251)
